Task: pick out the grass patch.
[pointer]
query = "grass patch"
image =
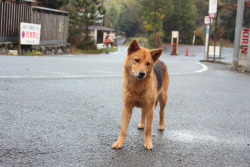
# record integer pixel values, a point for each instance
(97, 51)
(34, 53)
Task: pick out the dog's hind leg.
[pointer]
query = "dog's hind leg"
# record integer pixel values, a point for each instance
(141, 125)
(163, 101)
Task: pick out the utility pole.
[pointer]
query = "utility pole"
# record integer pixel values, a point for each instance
(238, 27)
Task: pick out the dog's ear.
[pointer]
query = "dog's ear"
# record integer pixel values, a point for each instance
(156, 53)
(133, 47)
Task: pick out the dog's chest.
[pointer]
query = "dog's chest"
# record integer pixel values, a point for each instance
(140, 100)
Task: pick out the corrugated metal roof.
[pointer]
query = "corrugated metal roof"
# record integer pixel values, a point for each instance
(102, 28)
(49, 9)
(28, 1)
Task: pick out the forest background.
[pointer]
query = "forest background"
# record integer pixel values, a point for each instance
(144, 18)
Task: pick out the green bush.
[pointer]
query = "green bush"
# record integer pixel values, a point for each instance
(88, 45)
(34, 53)
(151, 40)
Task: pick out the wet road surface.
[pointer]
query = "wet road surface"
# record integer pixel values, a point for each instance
(66, 111)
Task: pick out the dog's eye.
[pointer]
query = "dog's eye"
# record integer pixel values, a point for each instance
(148, 64)
(137, 60)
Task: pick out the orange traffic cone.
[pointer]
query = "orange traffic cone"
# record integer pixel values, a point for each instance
(186, 52)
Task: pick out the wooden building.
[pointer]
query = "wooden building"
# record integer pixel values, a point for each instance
(98, 33)
(54, 23)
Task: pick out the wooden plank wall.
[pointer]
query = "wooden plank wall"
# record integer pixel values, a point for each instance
(54, 26)
(11, 15)
(51, 23)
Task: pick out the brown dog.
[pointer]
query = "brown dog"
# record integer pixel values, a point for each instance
(145, 82)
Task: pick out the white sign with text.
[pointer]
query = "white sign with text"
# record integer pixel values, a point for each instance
(244, 40)
(30, 34)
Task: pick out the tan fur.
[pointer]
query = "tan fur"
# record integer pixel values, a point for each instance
(141, 91)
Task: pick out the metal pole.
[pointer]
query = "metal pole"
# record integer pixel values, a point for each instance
(248, 56)
(238, 27)
(207, 43)
(220, 49)
(194, 38)
(215, 37)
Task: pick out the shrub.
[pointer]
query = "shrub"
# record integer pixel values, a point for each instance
(88, 45)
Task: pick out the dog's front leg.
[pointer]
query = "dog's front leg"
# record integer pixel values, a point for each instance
(126, 115)
(142, 121)
(148, 133)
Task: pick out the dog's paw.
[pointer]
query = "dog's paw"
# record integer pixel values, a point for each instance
(117, 145)
(141, 126)
(161, 127)
(148, 146)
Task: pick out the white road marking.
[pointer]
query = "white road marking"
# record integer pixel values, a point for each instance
(58, 77)
(118, 51)
(204, 68)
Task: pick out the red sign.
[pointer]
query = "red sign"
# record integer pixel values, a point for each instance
(244, 40)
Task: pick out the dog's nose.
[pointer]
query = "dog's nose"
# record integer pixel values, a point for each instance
(141, 74)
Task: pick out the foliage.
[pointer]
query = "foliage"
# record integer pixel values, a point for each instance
(84, 13)
(95, 51)
(34, 53)
(182, 19)
(122, 12)
(226, 20)
(126, 22)
(153, 14)
(202, 11)
(88, 45)
(146, 18)
(112, 16)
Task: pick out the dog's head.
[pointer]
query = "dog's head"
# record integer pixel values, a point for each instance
(140, 61)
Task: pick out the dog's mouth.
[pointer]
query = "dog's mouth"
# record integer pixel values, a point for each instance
(140, 76)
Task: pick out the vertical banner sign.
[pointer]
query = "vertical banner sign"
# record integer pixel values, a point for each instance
(244, 40)
(30, 34)
(212, 8)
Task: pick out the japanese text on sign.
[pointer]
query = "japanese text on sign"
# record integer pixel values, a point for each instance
(30, 34)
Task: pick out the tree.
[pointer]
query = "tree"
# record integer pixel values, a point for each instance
(126, 22)
(182, 19)
(202, 11)
(113, 15)
(127, 10)
(85, 13)
(226, 19)
(153, 14)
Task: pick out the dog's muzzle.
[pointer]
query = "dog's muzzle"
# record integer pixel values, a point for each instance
(141, 75)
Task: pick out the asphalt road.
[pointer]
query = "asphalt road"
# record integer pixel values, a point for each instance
(66, 111)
